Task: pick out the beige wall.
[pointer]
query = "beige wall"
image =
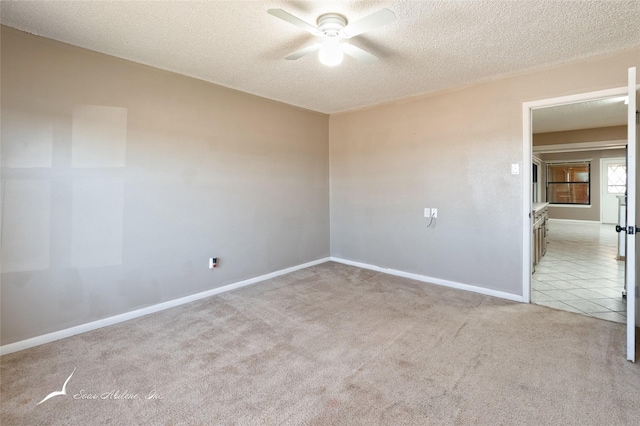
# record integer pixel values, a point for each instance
(581, 213)
(119, 181)
(453, 151)
(601, 134)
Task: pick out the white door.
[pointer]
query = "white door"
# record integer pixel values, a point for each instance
(613, 182)
(632, 216)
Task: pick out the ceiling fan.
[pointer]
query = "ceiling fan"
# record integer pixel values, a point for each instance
(334, 29)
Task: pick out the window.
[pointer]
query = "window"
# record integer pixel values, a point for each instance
(568, 183)
(617, 178)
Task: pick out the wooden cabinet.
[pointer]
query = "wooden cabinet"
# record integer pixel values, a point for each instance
(540, 216)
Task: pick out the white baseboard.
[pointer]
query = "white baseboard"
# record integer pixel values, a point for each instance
(438, 281)
(105, 322)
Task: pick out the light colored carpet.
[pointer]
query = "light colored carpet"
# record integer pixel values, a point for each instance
(334, 344)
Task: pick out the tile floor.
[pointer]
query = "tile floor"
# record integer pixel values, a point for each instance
(580, 272)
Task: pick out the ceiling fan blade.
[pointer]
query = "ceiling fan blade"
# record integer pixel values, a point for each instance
(373, 21)
(286, 16)
(359, 54)
(300, 53)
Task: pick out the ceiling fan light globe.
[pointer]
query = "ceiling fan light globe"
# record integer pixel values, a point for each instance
(331, 55)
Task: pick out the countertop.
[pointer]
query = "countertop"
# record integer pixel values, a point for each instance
(536, 207)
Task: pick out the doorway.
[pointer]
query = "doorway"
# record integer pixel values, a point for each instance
(528, 108)
(630, 268)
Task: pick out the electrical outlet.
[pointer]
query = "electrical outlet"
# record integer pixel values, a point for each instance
(427, 212)
(213, 262)
(434, 213)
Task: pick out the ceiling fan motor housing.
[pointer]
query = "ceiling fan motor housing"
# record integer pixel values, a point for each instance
(335, 30)
(332, 24)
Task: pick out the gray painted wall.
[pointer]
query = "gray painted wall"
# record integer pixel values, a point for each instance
(119, 181)
(451, 150)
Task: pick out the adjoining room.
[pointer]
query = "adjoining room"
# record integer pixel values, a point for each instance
(579, 176)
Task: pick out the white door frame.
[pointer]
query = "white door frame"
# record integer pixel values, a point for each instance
(632, 200)
(527, 149)
(603, 174)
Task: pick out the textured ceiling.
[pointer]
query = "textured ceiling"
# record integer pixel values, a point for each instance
(581, 115)
(433, 45)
